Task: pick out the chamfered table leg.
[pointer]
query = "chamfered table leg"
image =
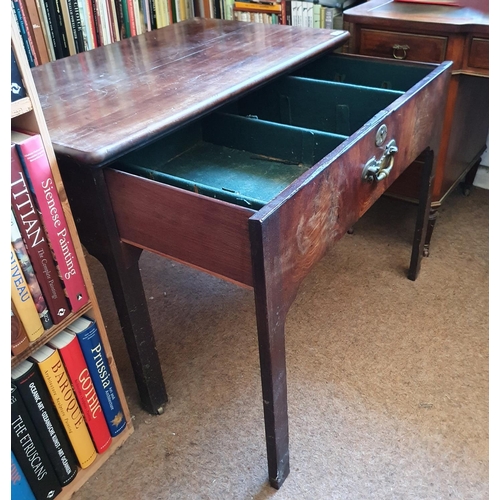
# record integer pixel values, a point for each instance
(424, 206)
(96, 226)
(270, 315)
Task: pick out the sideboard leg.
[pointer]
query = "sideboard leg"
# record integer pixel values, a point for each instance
(424, 206)
(270, 315)
(431, 222)
(98, 233)
(469, 178)
(128, 293)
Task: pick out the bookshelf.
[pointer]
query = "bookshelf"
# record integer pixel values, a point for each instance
(27, 114)
(260, 11)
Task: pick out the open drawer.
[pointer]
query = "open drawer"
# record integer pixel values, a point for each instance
(305, 139)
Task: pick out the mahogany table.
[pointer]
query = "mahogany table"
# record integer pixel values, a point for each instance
(126, 119)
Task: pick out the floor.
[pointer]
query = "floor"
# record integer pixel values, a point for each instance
(388, 379)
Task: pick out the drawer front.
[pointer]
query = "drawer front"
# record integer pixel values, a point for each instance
(317, 210)
(478, 53)
(206, 233)
(407, 46)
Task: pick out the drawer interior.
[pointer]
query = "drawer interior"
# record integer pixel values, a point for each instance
(248, 151)
(232, 158)
(377, 74)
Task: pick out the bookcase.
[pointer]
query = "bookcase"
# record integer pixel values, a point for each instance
(27, 114)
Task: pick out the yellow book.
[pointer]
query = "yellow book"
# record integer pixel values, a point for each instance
(57, 380)
(23, 300)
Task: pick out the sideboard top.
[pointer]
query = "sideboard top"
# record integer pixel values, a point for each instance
(404, 15)
(108, 101)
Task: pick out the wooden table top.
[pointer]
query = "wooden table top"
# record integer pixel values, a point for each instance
(435, 17)
(105, 102)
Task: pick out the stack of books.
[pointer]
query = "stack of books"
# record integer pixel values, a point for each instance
(64, 410)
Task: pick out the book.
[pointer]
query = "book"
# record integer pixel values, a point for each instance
(19, 487)
(38, 31)
(63, 397)
(29, 32)
(29, 451)
(93, 351)
(29, 273)
(23, 32)
(34, 238)
(69, 26)
(46, 26)
(88, 40)
(35, 396)
(36, 166)
(56, 28)
(71, 353)
(19, 340)
(22, 299)
(17, 89)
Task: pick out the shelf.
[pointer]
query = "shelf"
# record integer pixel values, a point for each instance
(27, 114)
(20, 107)
(48, 334)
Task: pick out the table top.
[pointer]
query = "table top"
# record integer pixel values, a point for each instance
(108, 101)
(438, 17)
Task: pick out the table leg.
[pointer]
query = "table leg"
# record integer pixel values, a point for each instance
(96, 226)
(424, 206)
(270, 315)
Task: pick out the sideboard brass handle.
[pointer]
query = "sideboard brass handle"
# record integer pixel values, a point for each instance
(399, 51)
(376, 170)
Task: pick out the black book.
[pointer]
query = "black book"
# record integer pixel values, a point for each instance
(29, 451)
(56, 27)
(34, 393)
(17, 90)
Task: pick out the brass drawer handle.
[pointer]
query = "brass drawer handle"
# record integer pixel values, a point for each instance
(399, 51)
(376, 170)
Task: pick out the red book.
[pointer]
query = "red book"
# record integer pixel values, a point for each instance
(131, 17)
(36, 166)
(71, 353)
(35, 240)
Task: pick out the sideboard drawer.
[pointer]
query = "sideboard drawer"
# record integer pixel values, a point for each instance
(319, 145)
(394, 45)
(478, 53)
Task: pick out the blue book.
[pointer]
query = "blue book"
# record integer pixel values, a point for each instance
(97, 362)
(19, 487)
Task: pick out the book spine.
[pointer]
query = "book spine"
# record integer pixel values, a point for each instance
(68, 28)
(97, 25)
(152, 14)
(46, 28)
(33, 234)
(22, 31)
(38, 34)
(19, 340)
(36, 398)
(17, 89)
(52, 21)
(131, 17)
(39, 174)
(61, 27)
(29, 273)
(22, 299)
(88, 37)
(19, 487)
(84, 388)
(70, 414)
(29, 451)
(97, 362)
(76, 25)
(29, 31)
(126, 18)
